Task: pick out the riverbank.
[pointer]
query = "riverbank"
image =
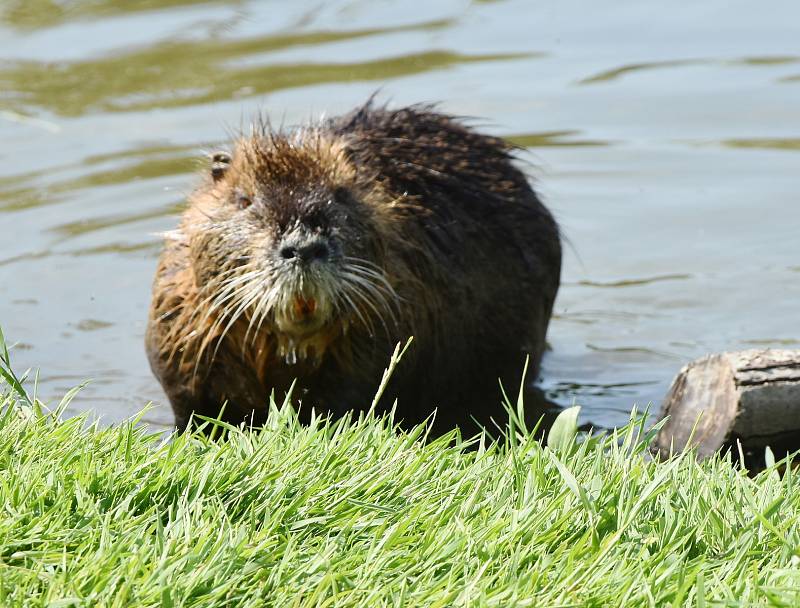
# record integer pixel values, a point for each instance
(354, 513)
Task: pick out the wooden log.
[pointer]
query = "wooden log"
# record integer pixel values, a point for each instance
(750, 396)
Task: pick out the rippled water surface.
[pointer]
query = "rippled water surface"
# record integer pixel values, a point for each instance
(665, 138)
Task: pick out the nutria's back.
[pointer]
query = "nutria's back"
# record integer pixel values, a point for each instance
(310, 254)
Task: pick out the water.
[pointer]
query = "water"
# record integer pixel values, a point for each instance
(666, 140)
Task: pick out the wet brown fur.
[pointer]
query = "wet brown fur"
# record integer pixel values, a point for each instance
(470, 256)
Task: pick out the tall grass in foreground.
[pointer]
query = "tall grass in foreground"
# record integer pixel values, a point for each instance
(356, 513)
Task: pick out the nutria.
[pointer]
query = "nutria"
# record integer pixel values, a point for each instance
(308, 255)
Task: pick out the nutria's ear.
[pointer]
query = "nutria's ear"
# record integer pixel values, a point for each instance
(220, 161)
(341, 194)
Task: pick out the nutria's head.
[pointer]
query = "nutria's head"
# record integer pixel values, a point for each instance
(285, 240)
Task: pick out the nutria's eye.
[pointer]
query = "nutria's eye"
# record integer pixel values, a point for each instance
(241, 199)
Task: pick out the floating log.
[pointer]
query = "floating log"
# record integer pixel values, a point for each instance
(751, 397)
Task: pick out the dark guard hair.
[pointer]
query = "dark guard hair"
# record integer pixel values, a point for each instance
(310, 254)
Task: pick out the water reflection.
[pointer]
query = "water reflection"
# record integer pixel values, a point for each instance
(172, 80)
(600, 315)
(85, 226)
(147, 151)
(92, 324)
(778, 60)
(780, 143)
(152, 248)
(24, 257)
(553, 138)
(178, 73)
(635, 282)
(613, 74)
(14, 196)
(47, 13)
(618, 72)
(637, 351)
(772, 342)
(25, 119)
(562, 390)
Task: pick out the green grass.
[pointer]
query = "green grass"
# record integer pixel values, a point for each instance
(356, 513)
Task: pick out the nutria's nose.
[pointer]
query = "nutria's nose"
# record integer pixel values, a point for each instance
(306, 251)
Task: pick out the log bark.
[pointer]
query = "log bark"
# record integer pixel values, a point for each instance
(750, 396)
